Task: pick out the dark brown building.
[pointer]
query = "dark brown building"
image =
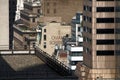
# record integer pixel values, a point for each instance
(65, 9)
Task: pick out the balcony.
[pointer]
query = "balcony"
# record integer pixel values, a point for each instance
(76, 58)
(23, 29)
(74, 48)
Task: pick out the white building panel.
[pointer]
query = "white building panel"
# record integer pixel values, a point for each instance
(80, 39)
(76, 49)
(73, 67)
(77, 58)
(4, 24)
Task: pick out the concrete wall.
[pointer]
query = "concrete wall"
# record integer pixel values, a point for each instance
(54, 33)
(4, 24)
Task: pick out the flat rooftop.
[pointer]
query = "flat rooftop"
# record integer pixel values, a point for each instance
(24, 66)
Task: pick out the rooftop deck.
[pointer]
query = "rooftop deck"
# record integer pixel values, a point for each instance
(24, 67)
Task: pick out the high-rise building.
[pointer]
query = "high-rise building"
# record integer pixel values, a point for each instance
(7, 15)
(101, 49)
(65, 9)
(74, 46)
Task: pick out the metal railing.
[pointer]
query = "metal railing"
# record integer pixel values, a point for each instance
(4, 50)
(55, 64)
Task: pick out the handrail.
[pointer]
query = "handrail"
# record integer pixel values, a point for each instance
(54, 60)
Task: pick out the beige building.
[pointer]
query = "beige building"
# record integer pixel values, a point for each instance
(51, 36)
(101, 22)
(65, 9)
(4, 24)
(7, 15)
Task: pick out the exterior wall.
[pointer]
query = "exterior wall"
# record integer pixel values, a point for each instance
(117, 44)
(65, 9)
(92, 57)
(98, 65)
(29, 20)
(44, 19)
(54, 33)
(18, 41)
(4, 24)
(30, 12)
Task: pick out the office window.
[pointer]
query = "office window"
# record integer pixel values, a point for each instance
(117, 52)
(117, 20)
(117, 30)
(105, 31)
(117, 8)
(105, 20)
(44, 46)
(105, 53)
(79, 29)
(105, 0)
(45, 37)
(105, 42)
(44, 30)
(117, 41)
(105, 9)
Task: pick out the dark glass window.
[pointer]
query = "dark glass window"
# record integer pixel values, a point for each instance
(33, 20)
(117, 20)
(117, 52)
(105, 42)
(105, 9)
(117, 31)
(44, 30)
(105, 53)
(117, 8)
(105, 0)
(44, 46)
(105, 20)
(44, 37)
(78, 28)
(105, 31)
(117, 42)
